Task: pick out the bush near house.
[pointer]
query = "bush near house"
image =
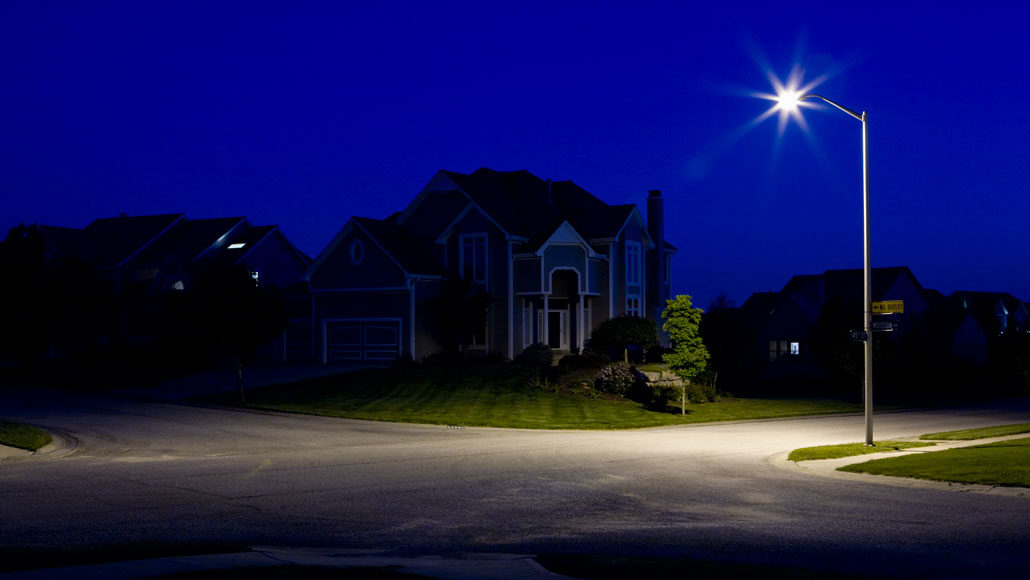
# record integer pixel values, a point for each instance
(616, 378)
(537, 354)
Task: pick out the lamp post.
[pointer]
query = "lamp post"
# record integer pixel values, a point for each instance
(789, 100)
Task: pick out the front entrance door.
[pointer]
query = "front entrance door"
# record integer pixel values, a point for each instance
(558, 329)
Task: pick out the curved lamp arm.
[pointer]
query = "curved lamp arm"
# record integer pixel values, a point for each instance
(838, 105)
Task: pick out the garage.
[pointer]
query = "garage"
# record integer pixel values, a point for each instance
(362, 339)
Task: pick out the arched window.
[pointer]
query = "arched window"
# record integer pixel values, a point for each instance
(357, 252)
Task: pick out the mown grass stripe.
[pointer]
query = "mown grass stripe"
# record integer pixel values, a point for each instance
(499, 397)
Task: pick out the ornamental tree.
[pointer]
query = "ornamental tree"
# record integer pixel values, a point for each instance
(689, 357)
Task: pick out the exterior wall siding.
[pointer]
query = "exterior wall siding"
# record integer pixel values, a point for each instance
(375, 269)
(564, 257)
(276, 262)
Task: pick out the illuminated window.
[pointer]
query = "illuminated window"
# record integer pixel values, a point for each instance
(472, 257)
(236, 246)
(782, 349)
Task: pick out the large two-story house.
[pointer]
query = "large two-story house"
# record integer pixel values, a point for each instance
(554, 260)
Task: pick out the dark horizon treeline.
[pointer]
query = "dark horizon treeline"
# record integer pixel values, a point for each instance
(60, 308)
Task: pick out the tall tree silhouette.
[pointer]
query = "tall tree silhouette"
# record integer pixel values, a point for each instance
(226, 311)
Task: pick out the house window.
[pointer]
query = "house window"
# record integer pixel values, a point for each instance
(783, 350)
(472, 257)
(477, 340)
(357, 252)
(632, 263)
(633, 306)
(527, 323)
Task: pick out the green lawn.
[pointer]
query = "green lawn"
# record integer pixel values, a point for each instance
(23, 436)
(850, 449)
(499, 396)
(983, 433)
(1005, 463)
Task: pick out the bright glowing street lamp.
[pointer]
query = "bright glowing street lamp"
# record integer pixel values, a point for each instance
(789, 100)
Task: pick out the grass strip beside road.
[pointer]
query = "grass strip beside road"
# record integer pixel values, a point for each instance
(23, 436)
(610, 567)
(850, 449)
(982, 433)
(499, 396)
(1005, 463)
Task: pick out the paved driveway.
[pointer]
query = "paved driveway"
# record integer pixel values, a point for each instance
(163, 471)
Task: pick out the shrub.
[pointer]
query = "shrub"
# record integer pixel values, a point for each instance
(443, 359)
(701, 393)
(537, 354)
(579, 379)
(574, 362)
(653, 396)
(616, 378)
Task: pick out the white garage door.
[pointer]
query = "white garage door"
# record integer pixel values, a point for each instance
(367, 339)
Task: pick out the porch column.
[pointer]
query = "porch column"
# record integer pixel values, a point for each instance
(546, 338)
(579, 324)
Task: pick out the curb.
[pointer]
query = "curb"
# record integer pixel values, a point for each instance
(828, 468)
(485, 566)
(62, 445)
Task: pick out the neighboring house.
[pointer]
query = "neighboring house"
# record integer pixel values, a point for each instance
(554, 260)
(778, 328)
(145, 257)
(970, 324)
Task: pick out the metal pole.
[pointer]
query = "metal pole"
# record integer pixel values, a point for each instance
(867, 306)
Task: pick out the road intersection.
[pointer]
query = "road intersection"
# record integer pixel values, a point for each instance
(133, 469)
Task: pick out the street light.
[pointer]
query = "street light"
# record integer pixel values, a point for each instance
(789, 101)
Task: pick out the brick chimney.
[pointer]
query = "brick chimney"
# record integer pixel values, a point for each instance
(658, 283)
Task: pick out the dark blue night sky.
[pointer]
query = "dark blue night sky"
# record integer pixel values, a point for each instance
(303, 114)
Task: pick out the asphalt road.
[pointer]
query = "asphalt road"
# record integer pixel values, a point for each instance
(156, 471)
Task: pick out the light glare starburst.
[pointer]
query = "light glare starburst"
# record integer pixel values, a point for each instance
(788, 98)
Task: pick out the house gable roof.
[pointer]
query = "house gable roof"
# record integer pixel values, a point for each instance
(566, 234)
(399, 246)
(524, 206)
(192, 240)
(260, 234)
(110, 242)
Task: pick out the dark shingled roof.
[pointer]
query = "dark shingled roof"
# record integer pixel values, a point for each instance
(109, 241)
(411, 256)
(189, 240)
(530, 207)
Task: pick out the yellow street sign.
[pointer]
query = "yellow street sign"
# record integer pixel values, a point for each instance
(889, 307)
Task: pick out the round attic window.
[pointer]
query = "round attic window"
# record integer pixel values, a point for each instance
(357, 252)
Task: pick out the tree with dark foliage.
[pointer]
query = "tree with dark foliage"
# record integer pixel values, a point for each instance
(53, 308)
(619, 333)
(460, 311)
(227, 312)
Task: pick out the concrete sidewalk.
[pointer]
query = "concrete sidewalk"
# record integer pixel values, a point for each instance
(466, 567)
(828, 467)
